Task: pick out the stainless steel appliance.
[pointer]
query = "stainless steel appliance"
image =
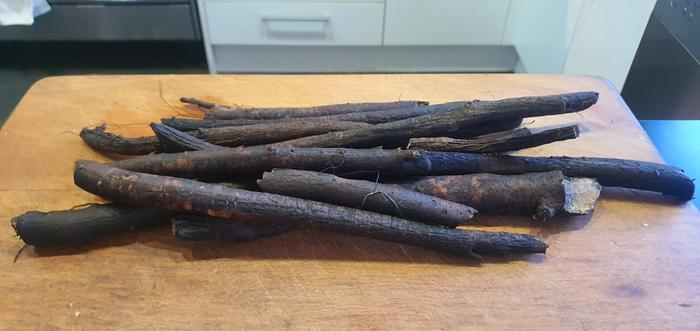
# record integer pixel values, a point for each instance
(664, 80)
(111, 20)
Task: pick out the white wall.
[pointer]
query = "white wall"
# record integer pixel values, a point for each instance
(588, 37)
(607, 37)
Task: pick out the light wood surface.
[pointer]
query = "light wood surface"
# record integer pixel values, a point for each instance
(634, 264)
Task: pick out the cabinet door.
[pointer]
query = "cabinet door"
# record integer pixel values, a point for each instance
(541, 31)
(292, 23)
(445, 22)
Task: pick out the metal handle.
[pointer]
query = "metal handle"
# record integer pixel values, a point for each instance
(287, 30)
(321, 19)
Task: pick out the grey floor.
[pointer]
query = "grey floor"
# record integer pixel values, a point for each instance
(13, 84)
(23, 63)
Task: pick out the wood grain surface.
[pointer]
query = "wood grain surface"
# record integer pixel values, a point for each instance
(634, 264)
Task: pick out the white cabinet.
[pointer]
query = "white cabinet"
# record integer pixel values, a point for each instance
(607, 37)
(594, 37)
(287, 23)
(541, 31)
(355, 35)
(445, 22)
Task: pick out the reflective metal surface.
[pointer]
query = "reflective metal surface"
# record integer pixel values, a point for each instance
(664, 80)
(682, 19)
(111, 20)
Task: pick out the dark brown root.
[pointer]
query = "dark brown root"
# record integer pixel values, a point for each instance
(495, 145)
(381, 198)
(184, 195)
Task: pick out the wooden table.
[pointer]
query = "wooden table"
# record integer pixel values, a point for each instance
(635, 264)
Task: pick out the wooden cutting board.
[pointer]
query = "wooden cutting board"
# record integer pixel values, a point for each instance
(634, 264)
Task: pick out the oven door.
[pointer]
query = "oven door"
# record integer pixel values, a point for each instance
(111, 20)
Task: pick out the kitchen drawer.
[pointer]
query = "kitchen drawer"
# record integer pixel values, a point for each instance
(445, 22)
(283, 23)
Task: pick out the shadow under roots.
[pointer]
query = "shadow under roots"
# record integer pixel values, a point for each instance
(304, 244)
(155, 233)
(639, 196)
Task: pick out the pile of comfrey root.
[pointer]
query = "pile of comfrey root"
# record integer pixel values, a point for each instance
(405, 171)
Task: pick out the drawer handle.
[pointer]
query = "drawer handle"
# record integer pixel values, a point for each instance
(323, 19)
(306, 27)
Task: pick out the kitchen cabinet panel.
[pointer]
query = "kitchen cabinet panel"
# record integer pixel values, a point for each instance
(303, 23)
(445, 22)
